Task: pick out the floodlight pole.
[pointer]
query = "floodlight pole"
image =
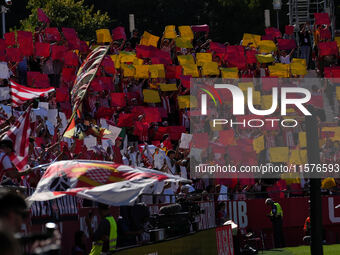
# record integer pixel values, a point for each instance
(3, 14)
(313, 154)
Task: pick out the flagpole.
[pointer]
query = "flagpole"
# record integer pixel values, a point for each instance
(82, 98)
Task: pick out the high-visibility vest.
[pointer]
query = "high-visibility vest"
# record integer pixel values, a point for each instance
(97, 246)
(279, 211)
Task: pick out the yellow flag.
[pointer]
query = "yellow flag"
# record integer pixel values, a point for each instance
(266, 46)
(103, 36)
(338, 93)
(189, 69)
(245, 85)
(203, 58)
(328, 183)
(125, 56)
(128, 70)
(115, 59)
(298, 69)
(151, 96)
(168, 87)
(301, 61)
(265, 58)
(278, 154)
(298, 157)
(291, 178)
(229, 73)
(186, 32)
(170, 32)
(157, 71)
(149, 39)
(187, 102)
(267, 101)
(183, 43)
(138, 62)
(257, 98)
(337, 39)
(279, 70)
(251, 38)
(142, 72)
(186, 59)
(302, 139)
(258, 144)
(210, 68)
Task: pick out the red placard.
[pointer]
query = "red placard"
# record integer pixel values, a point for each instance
(58, 52)
(118, 99)
(42, 49)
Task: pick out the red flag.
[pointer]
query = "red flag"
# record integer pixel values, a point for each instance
(10, 39)
(173, 72)
(125, 120)
(322, 19)
(20, 94)
(118, 99)
(58, 52)
(71, 59)
(286, 44)
(42, 17)
(42, 49)
(62, 95)
(118, 33)
(19, 135)
(52, 34)
(25, 42)
(200, 140)
(273, 31)
(13, 54)
(328, 48)
(68, 74)
(251, 56)
(289, 30)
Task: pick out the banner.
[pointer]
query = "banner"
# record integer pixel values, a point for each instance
(100, 181)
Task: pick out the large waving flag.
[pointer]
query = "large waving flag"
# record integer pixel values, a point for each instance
(100, 181)
(20, 94)
(19, 134)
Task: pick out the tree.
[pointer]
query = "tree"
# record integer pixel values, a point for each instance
(68, 13)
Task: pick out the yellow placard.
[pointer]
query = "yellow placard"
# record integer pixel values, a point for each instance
(301, 61)
(279, 70)
(328, 183)
(337, 39)
(126, 57)
(251, 38)
(128, 70)
(103, 36)
(151, 96)
(338, 93)
(142, 72)
(186, 60)
(245, 85)
(302, 139)
(258, 144)
(190, 69)
(149, 39)
(157, 71)
(116, 61)
(186, 32)
(203, 58)
(278, 154)
(168, 87)
(266, 102)
(187, 102)
(170, 32)
(229, 73)
(266, 46)
(210, 68)
(183, 43)
(298, 69)
(264, 59)
(138, 62)
(298, 157)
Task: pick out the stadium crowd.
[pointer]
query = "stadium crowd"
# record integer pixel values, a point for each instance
(143, 88)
